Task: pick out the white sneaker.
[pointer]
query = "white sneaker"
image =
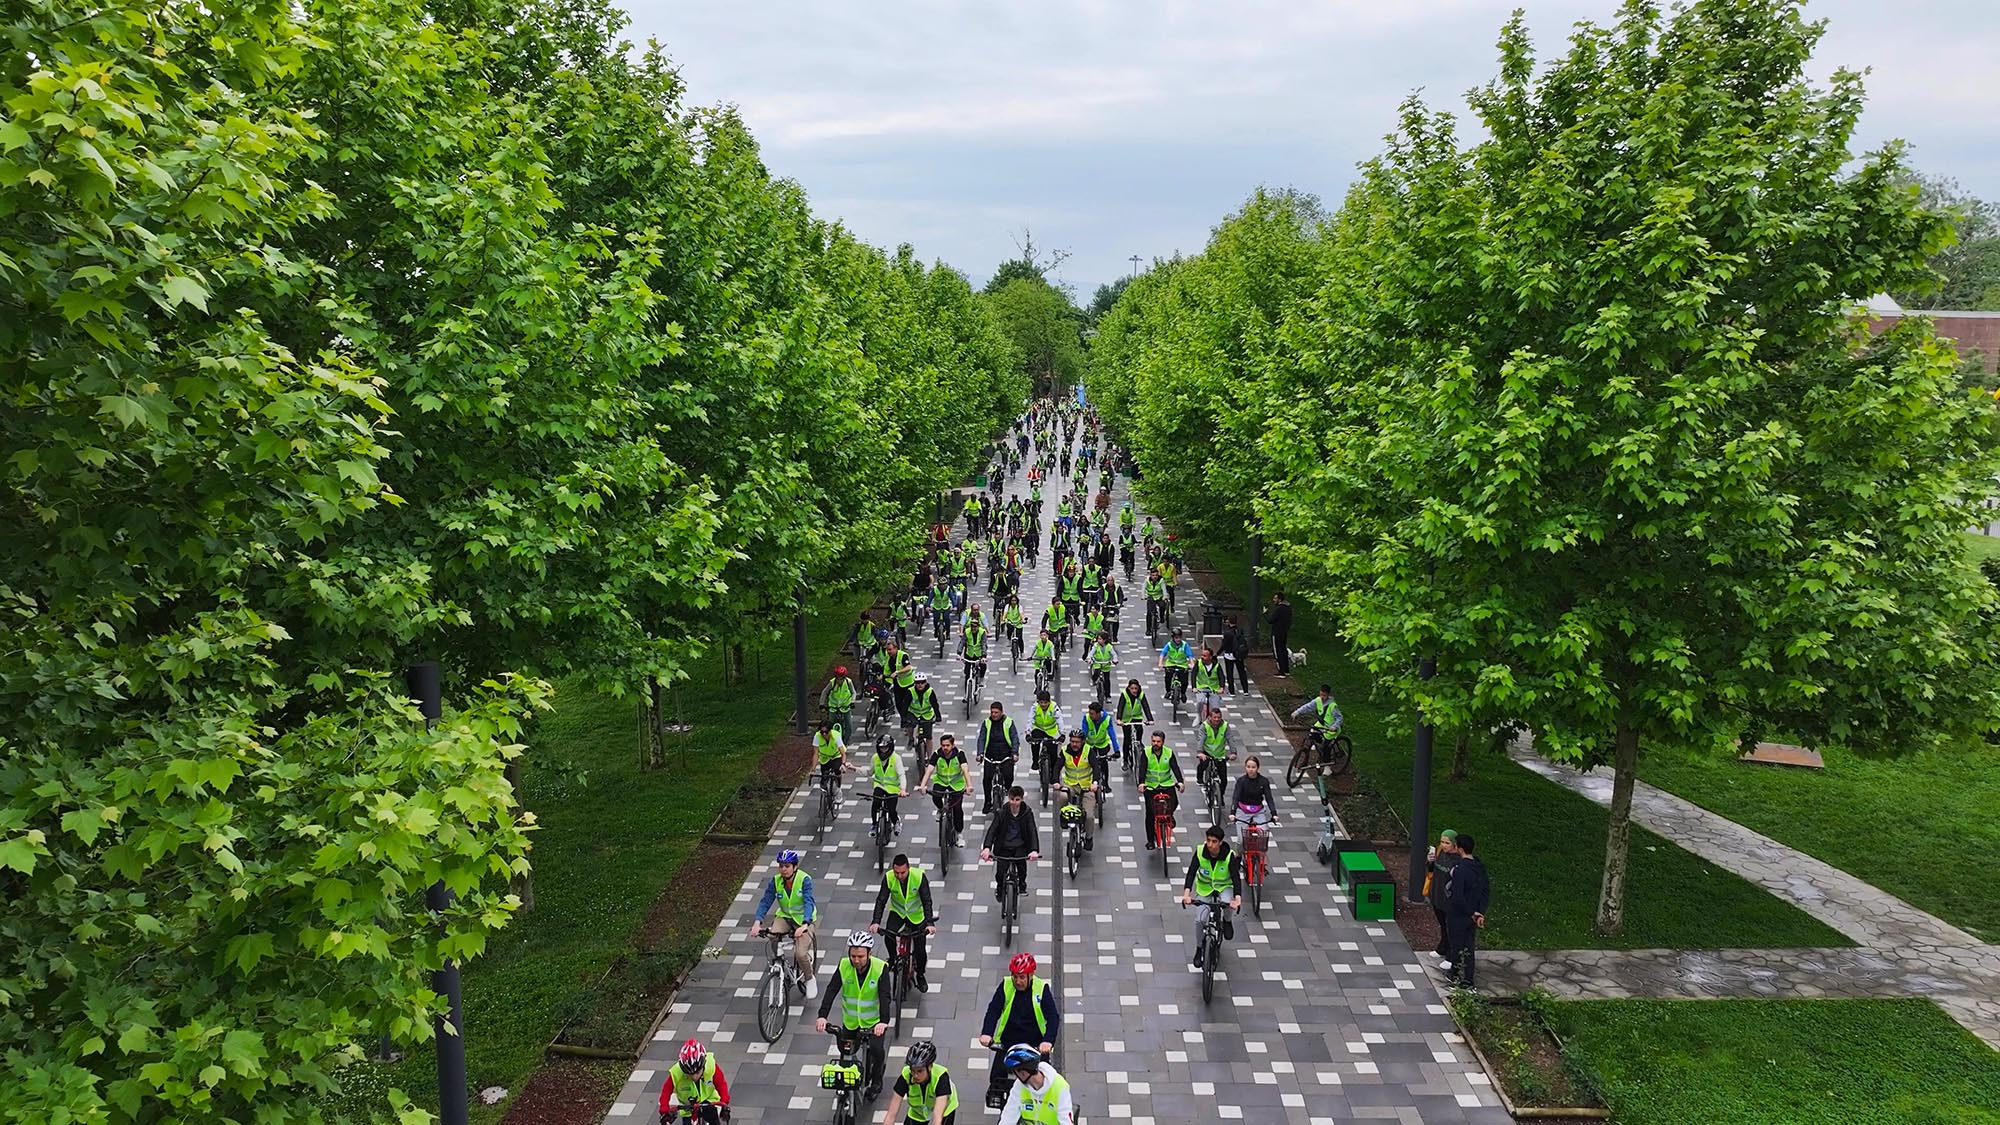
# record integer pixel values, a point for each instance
(1445, 965)
(812, 989)
(958, 841)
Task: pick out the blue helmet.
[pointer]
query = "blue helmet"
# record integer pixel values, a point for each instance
(1021, 1056)
(788, 856)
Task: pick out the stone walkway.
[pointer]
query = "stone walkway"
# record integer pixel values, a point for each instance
(1903, 951)
(1318, 1017)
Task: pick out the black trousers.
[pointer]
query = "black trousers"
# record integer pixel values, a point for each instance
(956, 799)
(1235, 676)
(1280, 639)
(1444, 943)
(1462, 936)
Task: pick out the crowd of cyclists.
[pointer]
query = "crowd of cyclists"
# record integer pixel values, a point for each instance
(1057, 443)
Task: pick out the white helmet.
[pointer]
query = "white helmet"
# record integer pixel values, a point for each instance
(861, 939)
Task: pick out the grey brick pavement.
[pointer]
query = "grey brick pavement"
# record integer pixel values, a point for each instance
(1317, 1017)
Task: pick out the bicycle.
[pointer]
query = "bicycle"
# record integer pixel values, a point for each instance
(844, 1075)
(901, 976)
(1255, 842)
(1045, 676)
(828, 785)
(1156, 616)
(971, 685)
(1128, 746)
(1320, 755)
(1013, 881)
(1072, 820)
(1211, 790)
(1100, 678)
(885, 828)
(947, 839)
(1163, 830)
(781, 977)
(1045, 764)
(1177, 691)
(881, 704)
(1210, 942)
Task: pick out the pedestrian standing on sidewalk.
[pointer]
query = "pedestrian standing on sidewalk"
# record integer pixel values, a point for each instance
(1443, 857)
(1235, 656)
(1466, 897)
(1280, 619)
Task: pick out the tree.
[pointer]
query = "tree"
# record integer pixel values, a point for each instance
(1587, 402)
(1042, 329)
(1968, 267)
(1106, 296)
(1029, 265)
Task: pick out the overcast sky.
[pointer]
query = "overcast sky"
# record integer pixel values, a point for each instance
(1122, 127)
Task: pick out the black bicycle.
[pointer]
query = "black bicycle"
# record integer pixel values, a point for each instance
(1100, 678)
(885, 831)
(1013, 882)
(901, 976)
(1210, 942)
(971, 686)
(845, 1075)
(1177, 691)
(828, 784)
(1320, 755)
(1044, 763)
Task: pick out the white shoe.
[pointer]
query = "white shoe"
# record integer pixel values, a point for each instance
(812, 989)
(1445, 965)
(958, 841)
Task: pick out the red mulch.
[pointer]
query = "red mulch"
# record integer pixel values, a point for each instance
(566, 1091)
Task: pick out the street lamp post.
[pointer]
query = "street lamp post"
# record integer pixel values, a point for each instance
(426, 689)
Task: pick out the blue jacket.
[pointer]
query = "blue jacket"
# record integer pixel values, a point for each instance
(771, 896)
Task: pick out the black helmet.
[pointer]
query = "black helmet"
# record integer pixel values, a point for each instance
(922, 1054)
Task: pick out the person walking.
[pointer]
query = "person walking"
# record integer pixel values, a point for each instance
(1235, 656)
(1443, 857)
(1280, 620)
(1466, 898)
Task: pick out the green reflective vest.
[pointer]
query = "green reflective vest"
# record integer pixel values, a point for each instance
(1215, 739)
(1103, 656)
(1043, 1106)
(923, 1100)
(841, 696)
(826, 747)
(1156, 589)
(924, 705)
(792, 899)
(1012, 616)
(1159, 767)
(1178, 654)
(1211, 876)
(1072, 587)
(1325, 714)
(885, 772)
(1045, 650)
(1097, 732)
(1056, 618)
(1044, 719)
(1038, 988)
(1132, 708)
(1076, 768)
(1208, 677)
(948, 770)
(860, 997)
(906, 901)
(975, 641)
(1092, 578)
(896, 666)
(694, 1089)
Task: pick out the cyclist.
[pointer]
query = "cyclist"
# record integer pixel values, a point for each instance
(925, 1087)
(899, 624)
(1175, 659)
(1213, 870)
(945, 780)
(1253, 800)
(1012, 837)
(1156, 598)
(1055, 622)
(1325, 715)
(1069, 590)
(1043, 657)
(1133, 709)
(975, 515)
(866, 640)
(906, 895)
(942, 610)
(896, 668)
(886, 773)
(1040, 1094)
(858, 984)
(1114, 600)
(923, 713)
(700, 1087)
(1013, 621)
(972, 646)
(837, 700)
(1100, 734)
(1207, 681)
(1036, 1020)
(1126, 517)
(999, 748)
(1162, 777)
(1218, 749)
(1045, 727)
(1128, 544)
(792, 891)
(830, 752)
(1102, 658)
(1077, 776)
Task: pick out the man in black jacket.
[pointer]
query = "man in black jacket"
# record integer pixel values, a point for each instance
(1012, 839)
(1235, 651)
(1465, 900)
(1280, 618)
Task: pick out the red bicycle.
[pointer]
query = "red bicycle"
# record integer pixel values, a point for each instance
(1163, 829)
(1256, 840)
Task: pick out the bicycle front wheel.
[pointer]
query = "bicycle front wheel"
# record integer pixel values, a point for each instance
(1210, 951)
(1301, 762)
(773, 1005)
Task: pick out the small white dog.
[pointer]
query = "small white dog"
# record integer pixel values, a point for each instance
(1298, 657)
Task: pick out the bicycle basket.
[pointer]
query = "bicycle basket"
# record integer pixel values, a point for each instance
(1072, 814)
(839, 1076)
(1255, 839)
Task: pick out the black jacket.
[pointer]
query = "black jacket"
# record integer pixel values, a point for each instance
(1441, 877)
(997, 831)
(1468, 891)
(1280, 617)
(1235, 643)
(923, 895)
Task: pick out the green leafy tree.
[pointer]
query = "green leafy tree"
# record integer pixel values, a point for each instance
(1105, 297)
(1968, 268)
(1579, 413)
(1043, 331)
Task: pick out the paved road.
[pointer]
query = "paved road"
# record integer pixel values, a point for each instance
(1317, 1017)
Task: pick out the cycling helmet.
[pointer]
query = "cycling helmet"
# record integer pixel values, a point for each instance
(840, 669)
(1022, 963)
(923, 677)
(1021, 1056)
(788, 856)
(693, 1054)
(922, 1054)
(861, 939)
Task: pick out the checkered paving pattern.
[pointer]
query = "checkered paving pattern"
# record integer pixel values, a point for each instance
(1317, 1017)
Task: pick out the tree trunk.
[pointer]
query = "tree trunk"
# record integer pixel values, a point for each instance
(1461, 756)
(736, 662)
(1617, 839)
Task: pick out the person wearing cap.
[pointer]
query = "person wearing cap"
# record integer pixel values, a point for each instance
(1035, 1019)
(791, 891)
(905, 895)
(837, 700)
(1443, 857)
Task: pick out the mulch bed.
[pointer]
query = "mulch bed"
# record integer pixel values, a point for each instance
(569, 1090)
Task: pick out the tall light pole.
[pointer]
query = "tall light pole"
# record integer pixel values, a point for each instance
(1134, 259)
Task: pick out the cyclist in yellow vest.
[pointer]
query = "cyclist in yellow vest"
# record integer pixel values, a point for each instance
(1207, 682)
(1218, 748)
(1163, 777)
(1175, 659)
(1040, 1095)
(897, 669)
(925, 1088)
(1077, 776)
(695, 1091)
(1213, 872)
(1055, 622)
(1045, 728)
(1114, 600)
(1325, 713)
(1134, 710)
(829, 752)
(1036, 1020)
(923, 713)
(905, 896)
(837, 699)
(1044, 655)
(885, 774)
(791, 891)
(857, 984)
(945, 779)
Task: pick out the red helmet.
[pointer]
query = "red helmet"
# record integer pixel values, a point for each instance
(840, 669)
(693, 1054)
(1022, 963)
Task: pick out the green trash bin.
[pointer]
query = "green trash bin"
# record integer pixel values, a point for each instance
(1374, 896)
(980, 481)
(1353, 864)
(1344, 847)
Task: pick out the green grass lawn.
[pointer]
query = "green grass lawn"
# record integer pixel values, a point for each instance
(1782, 1062)
(1543, 844)
(1982, 547)
(612, 836)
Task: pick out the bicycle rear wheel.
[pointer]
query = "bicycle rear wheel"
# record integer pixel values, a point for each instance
(1339, 754)
(1302, 760)
(1010, 901)
(773, 1006)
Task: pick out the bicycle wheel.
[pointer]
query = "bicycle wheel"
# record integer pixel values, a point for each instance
(1075, 853)
(1210, 951)
(1302, 761)
(1254, 886)
(896, 993)
(1339, 754)
(843, 1108)
(965, 704)
(773, 1006)
(1010, 901)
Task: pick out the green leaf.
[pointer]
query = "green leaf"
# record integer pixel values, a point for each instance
(183, 289)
